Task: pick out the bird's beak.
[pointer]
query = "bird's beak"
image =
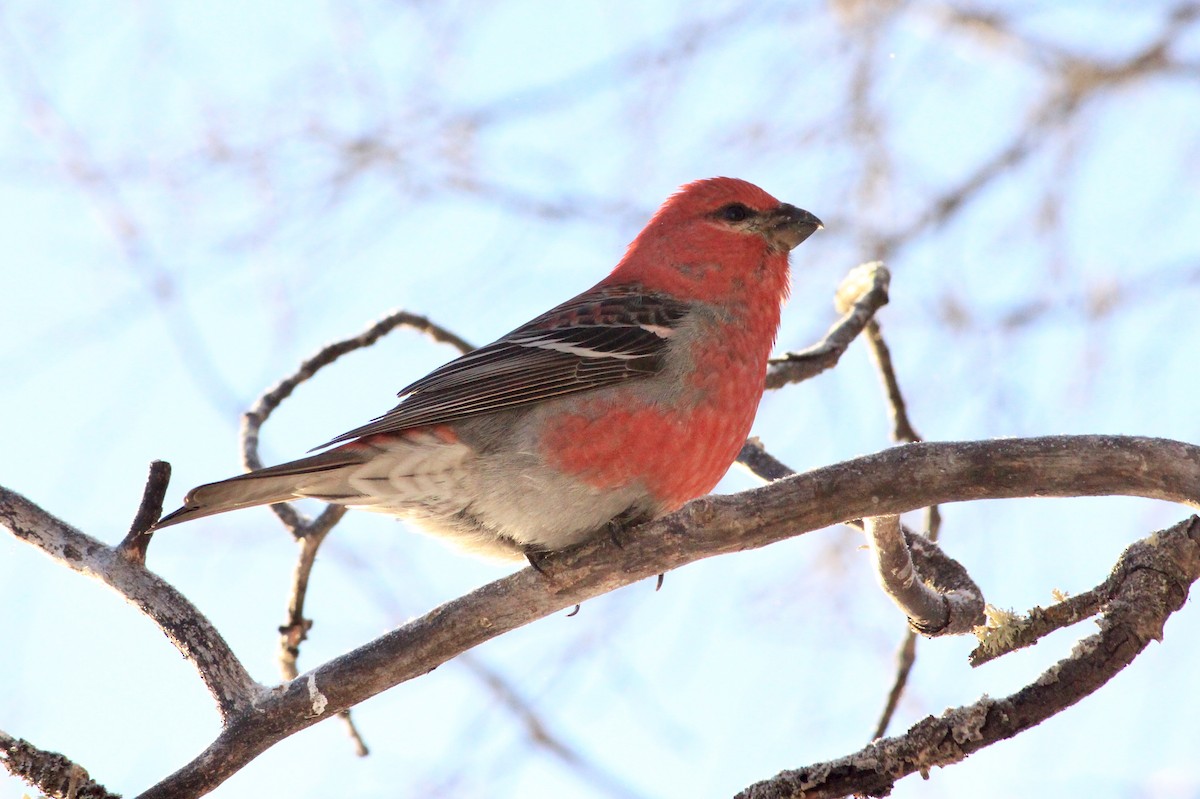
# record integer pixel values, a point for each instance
(787, 226)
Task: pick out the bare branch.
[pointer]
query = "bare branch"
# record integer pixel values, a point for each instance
(1150, 582)
(49, 772)
(949, 611)
(540, 734)
(754, 456)
(137, 540)
(902, 429)
(311, 532)
(933, 523)
(862, 292)
(1014, 633)
(867, 284)
(185, 627)
(893, 481)
(295, 629)
(906, 656)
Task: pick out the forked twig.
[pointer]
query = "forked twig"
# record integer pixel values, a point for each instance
(310, 533)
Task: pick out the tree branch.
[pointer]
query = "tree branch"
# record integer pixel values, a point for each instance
(311, 532)
(763, 464)
(893, 481)
(137, 540)
(862, 292)
(902, 428)
(254, 418)
(295, 630)
(906, 657)
(185, 627)
(50, 772)
(939, 598)
(903, 431)
(1017, 633)
(1149, 583)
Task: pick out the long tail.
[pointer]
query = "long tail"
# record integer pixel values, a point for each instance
(300, 478)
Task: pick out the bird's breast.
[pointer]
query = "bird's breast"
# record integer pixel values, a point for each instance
(675, 437)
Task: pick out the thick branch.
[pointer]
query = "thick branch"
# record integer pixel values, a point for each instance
(893, 481)
(1150, 582)
(190, 632)
(50, 772)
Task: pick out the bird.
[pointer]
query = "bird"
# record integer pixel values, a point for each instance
(613, 408)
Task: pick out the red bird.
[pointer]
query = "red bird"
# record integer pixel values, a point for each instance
(617, 406)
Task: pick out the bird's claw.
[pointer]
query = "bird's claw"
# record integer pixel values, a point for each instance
(536, 560)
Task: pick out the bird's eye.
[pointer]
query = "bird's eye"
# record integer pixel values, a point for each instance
(734, 212)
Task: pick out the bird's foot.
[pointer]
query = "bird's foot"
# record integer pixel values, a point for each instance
(622, 522)
(537, 559)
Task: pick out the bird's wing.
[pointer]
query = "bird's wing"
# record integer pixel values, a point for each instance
(599, 338)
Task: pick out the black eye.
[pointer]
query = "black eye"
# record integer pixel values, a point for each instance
(734, 212)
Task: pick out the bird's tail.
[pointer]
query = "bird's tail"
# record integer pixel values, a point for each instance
(299, 478)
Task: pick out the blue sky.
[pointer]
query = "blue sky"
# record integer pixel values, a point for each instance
(197, 196)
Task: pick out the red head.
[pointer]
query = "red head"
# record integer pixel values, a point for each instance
(714, 239)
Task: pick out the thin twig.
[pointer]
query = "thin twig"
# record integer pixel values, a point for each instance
(933, 523)
(902, 429)
(540, 735)
(265, 405)
(296, 628)
(905, 656)
(1007, 633)
(762, 464)
(310, 533)
(866, 289)
(862, 292)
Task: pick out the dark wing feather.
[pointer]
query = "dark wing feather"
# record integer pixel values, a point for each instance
(592, 341)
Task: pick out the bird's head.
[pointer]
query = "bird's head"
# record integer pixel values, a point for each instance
(715, 237)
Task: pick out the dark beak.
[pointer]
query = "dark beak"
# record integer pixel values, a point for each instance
(787, 226)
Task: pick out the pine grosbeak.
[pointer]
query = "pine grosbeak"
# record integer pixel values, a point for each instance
(617, 406)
